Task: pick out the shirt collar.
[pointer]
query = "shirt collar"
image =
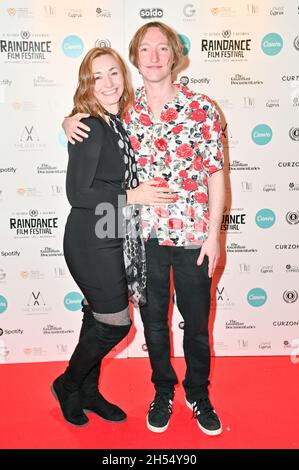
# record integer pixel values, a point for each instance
(183, 96)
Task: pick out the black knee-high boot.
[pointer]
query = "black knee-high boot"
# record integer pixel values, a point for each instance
(92, 347)
(91, 399)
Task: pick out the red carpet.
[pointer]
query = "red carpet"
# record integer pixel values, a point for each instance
(256, 398)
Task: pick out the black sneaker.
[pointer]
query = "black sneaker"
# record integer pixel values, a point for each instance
(160, 409)
(206, 416)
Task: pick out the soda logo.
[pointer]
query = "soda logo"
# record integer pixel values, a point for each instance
(151, 13)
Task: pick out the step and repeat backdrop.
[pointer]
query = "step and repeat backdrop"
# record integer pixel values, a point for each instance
(245, 57)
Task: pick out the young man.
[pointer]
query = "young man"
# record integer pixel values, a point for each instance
(176, 137)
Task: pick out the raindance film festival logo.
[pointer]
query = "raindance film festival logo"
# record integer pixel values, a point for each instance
(26, 48)
(233, 222)
(32, 224)
(232, 45)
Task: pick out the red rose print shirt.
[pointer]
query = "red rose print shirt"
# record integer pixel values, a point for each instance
(181, 151)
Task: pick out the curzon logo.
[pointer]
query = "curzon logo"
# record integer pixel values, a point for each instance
(256, 297)
(72, 301)
(272, 44)
(3, 304)
(261, 134)
(265, 218)
(151, 13)
(72, 46)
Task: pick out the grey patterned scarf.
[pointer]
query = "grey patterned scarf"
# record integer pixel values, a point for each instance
(133, 243)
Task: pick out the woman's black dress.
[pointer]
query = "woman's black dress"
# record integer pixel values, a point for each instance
(96, 174)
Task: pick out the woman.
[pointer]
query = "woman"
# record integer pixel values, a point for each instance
(102, 181)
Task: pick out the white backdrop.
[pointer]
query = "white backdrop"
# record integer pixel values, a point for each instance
(245, 57)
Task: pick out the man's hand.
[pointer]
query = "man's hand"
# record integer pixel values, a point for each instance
(150, 193)
(211, 248)
(73, 127)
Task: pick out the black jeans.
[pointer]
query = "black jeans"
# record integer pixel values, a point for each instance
(192, 286)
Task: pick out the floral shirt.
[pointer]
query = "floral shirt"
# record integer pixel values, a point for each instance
(180, 151)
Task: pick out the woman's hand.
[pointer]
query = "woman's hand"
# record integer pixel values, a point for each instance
(73, 127)
(151, 193)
